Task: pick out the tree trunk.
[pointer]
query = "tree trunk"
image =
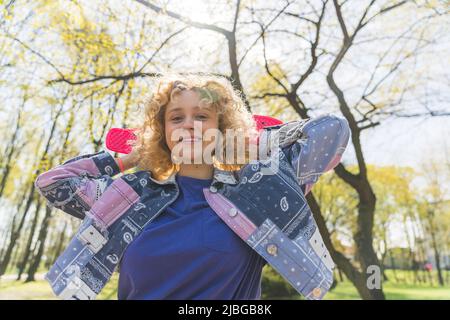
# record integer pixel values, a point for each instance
(15, 233)
(385, 277)
(363, 236)
(9, 154)
(437, 256)
(383, 258)
(3, 244)
(394, 267)
(341, 278)
(357, 278)
(27, 250)
(59, 247)
(41, 243)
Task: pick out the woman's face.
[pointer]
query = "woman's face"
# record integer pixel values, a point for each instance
(186, 123)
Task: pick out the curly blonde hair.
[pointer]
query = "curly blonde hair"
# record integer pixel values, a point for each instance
(153, 153)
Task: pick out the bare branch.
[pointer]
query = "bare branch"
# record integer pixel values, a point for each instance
(160, 47)
(264, 28)
(184, 19)
(41, 56)
(337, 7)
(236, 15)
(124, 77)
(385, 10)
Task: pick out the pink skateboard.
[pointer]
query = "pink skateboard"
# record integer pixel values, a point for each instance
(116, 138)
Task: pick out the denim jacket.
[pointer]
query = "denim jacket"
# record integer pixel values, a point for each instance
(263, 203)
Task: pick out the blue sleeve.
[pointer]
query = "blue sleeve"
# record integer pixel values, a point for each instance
(76, 184)
(313, 146)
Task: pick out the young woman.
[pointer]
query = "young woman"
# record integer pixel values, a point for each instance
(190, 223)
(205, 259)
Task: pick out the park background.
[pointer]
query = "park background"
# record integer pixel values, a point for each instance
(71, 70)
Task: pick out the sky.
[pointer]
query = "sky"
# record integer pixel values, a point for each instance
(406, 141)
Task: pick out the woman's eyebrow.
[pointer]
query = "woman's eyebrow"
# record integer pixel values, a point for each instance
(207, 108)
(175, 109)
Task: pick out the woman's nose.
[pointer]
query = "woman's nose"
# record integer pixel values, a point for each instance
(188, 123)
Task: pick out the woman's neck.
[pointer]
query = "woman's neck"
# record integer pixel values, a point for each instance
(199, 171)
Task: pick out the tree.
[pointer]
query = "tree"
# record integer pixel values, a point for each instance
(361, 112)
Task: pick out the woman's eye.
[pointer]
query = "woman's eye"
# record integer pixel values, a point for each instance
(202, 117)
(199, 117)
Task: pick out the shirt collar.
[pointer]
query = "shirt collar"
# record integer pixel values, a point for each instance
(219, 176)
(223, 176)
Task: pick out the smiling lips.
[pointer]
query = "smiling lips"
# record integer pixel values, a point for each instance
(190, 139)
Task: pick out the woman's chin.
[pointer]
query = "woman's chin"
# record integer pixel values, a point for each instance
(191, 159)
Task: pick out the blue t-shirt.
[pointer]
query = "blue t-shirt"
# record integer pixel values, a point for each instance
(188, 252)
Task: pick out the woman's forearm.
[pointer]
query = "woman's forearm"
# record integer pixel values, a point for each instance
(129, 161)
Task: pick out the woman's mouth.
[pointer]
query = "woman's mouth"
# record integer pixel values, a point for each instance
(190, 139)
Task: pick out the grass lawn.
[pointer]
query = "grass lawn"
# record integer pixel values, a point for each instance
(38, 290)
(393, 291)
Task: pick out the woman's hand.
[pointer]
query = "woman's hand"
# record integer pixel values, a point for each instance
(130, 160)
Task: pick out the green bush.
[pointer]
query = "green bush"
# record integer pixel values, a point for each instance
(275, 286)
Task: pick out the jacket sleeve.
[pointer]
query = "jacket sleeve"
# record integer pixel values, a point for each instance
(76, 184)
(312, 146)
